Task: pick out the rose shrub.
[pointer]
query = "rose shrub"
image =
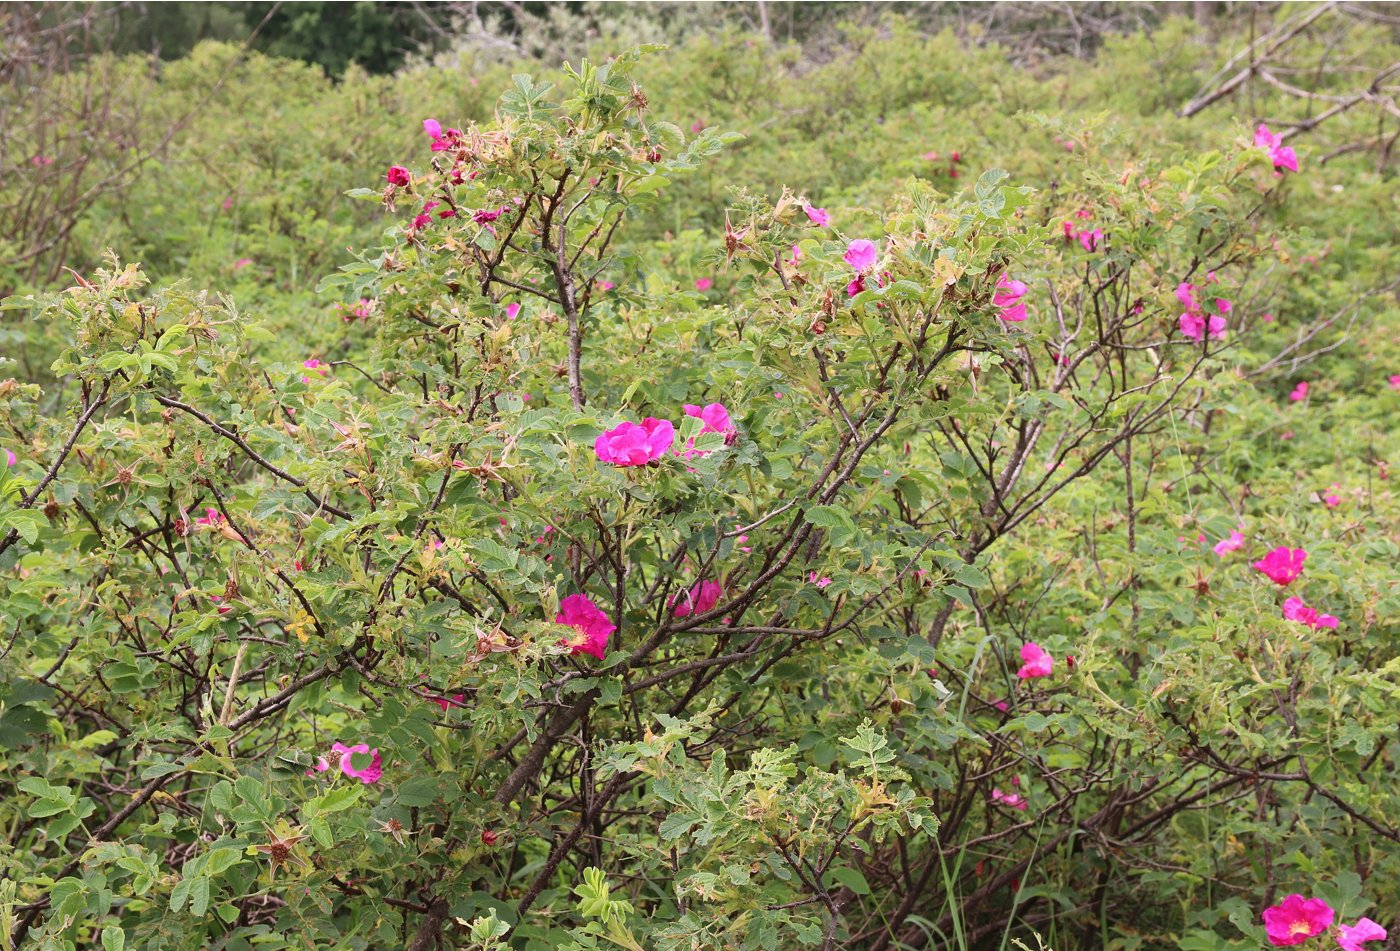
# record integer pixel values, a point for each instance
(896, 590)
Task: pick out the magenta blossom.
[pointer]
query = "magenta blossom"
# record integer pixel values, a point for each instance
(370, 766)
(716, 420)
(512, 311)
(1351, 937)
(315, 366)
(10, 460)
(818, 216)
(442, 139)
(1226, 545)
(397, 175)
(698, 600)
(591, 623)
(1008, 298)
(1300, 392)
(703, 283)
(1296, 919)
(1295, 610)
(1281, 155)
(1395, 381)
(320, 766)
(1282, 565)
(819, 582)
(456, 700)
(635, 444)
(1014, 800)
(241, 263)
(861, 254)
(1038, 662)
(1192, 325)
(212, 518)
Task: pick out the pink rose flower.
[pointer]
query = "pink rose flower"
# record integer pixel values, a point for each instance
(703, 283)
(700, 599)
(1296, 919)
(716, 420)
(861, 254)
(1281, 155)
(1295, 610)
(590, 621)
(1014, 800)
(369, 771)
(397, 175)
(635, 444)
(818, 216)
(1351, 937)
(1038, 662)
(1300, 392)
(1226, 545)
(1282, 565)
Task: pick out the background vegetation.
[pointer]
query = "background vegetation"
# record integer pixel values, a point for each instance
(292, 469)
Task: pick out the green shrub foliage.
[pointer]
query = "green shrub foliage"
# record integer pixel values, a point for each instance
(925, 642)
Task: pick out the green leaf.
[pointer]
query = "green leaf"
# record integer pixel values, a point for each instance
(113, 938)
(851, 878)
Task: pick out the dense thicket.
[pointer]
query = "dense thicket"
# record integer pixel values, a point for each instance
(707, 498)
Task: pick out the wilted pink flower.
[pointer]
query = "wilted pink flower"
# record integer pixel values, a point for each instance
(487, 215)
(591, 623)
(456, 700)
(1226, 545)
(1014, 800)
(635, 444)
(397, 175)
(367, 774)
(856, 286)
(1300, 392)
(1091, 240)
(1038, 662)
(212, 518)
(1351, 937)
(320, 766)
(1296, 919)
(703, 283)
(421, 221)
(861, 254)
(819, 582)
(442, 139)
(1295, 610)
(699, 599)
(1282, 565)
(1281, 155)
(818, 216)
